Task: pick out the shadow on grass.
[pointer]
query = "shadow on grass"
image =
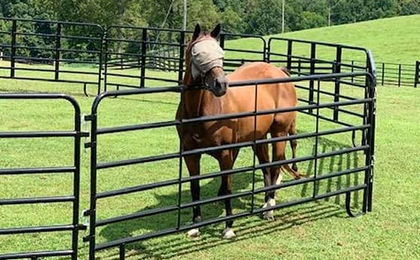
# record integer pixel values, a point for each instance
(250, 227)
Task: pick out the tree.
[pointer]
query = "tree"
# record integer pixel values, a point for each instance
(262, 16)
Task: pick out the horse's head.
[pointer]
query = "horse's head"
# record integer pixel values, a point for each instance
(204, 62)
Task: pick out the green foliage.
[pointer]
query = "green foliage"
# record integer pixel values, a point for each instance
(236, 16)
(262, 20)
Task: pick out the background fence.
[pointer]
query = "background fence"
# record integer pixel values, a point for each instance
(124, 56)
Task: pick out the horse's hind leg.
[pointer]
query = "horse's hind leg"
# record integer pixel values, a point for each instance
(293, 143)
(263, 157)
(226, 160)
(193, 165)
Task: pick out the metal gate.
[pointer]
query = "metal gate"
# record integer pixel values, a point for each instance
(72, 200)
(363, 121)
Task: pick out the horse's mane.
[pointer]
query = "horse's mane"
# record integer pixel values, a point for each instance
(285, 70)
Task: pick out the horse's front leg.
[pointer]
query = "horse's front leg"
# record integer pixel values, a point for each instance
(193, 165)
(226, 161)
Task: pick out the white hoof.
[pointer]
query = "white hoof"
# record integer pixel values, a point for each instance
(193, 233)
(269, 215)
(228, 233)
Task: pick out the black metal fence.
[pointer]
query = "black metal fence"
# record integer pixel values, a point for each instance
(124, 56)
(338, 96)
(73, 200)
(52, 44)
(319, 85)
(394, 74)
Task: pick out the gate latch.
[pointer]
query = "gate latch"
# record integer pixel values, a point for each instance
(85, 218)
(85, 126)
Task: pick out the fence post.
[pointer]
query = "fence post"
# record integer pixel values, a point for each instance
(13, 49)
(417, 74)
(383, 73)
(352, 70)
(311, 72)
(57, 51)
(143, 58)
(337, 69)
(181, 58)
(289, 54)
(399, 75)
(299, 66)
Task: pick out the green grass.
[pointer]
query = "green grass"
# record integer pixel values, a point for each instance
(390, 40)
(311, 231)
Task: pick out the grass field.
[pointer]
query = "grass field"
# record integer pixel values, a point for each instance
(392, 40)
(311, 231)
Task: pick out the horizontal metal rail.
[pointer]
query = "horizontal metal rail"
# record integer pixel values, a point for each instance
(223, 219)
(39, 134)
(40, 170)
(38, 254)
(37, 200)
(23, 230)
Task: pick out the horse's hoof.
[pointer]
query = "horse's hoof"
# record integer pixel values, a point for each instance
(195, 232)
(269, 215)
(228, 233)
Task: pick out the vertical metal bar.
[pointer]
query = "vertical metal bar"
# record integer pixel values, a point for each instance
(101, 60)
(383, 74)
(399, 75)
(268, 51)
(372, 121)
(352, 70)
(222, 40)
(104, 58)
(337, 68)
(181, 151)
(417, 74)
(57, 52)
(13, 49)
(312, 72)
(76, 182)
(289, 54)
(299, 66)
(93, 184)
(316, 142)
(122, 252)
(255, 148)
(265, 58)
(181, 57)
(143, 57)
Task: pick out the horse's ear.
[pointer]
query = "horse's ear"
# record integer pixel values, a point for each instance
(216, 31)
(197, 32)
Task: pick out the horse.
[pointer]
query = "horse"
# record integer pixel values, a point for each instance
(207, 93)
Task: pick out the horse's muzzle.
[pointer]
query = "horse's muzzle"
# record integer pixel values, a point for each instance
(220, 86)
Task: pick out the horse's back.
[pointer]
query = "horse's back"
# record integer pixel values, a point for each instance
(279, 95)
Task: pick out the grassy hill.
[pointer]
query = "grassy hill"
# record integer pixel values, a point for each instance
(391, 40)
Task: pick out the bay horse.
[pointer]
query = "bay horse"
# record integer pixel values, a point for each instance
(207, 93)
